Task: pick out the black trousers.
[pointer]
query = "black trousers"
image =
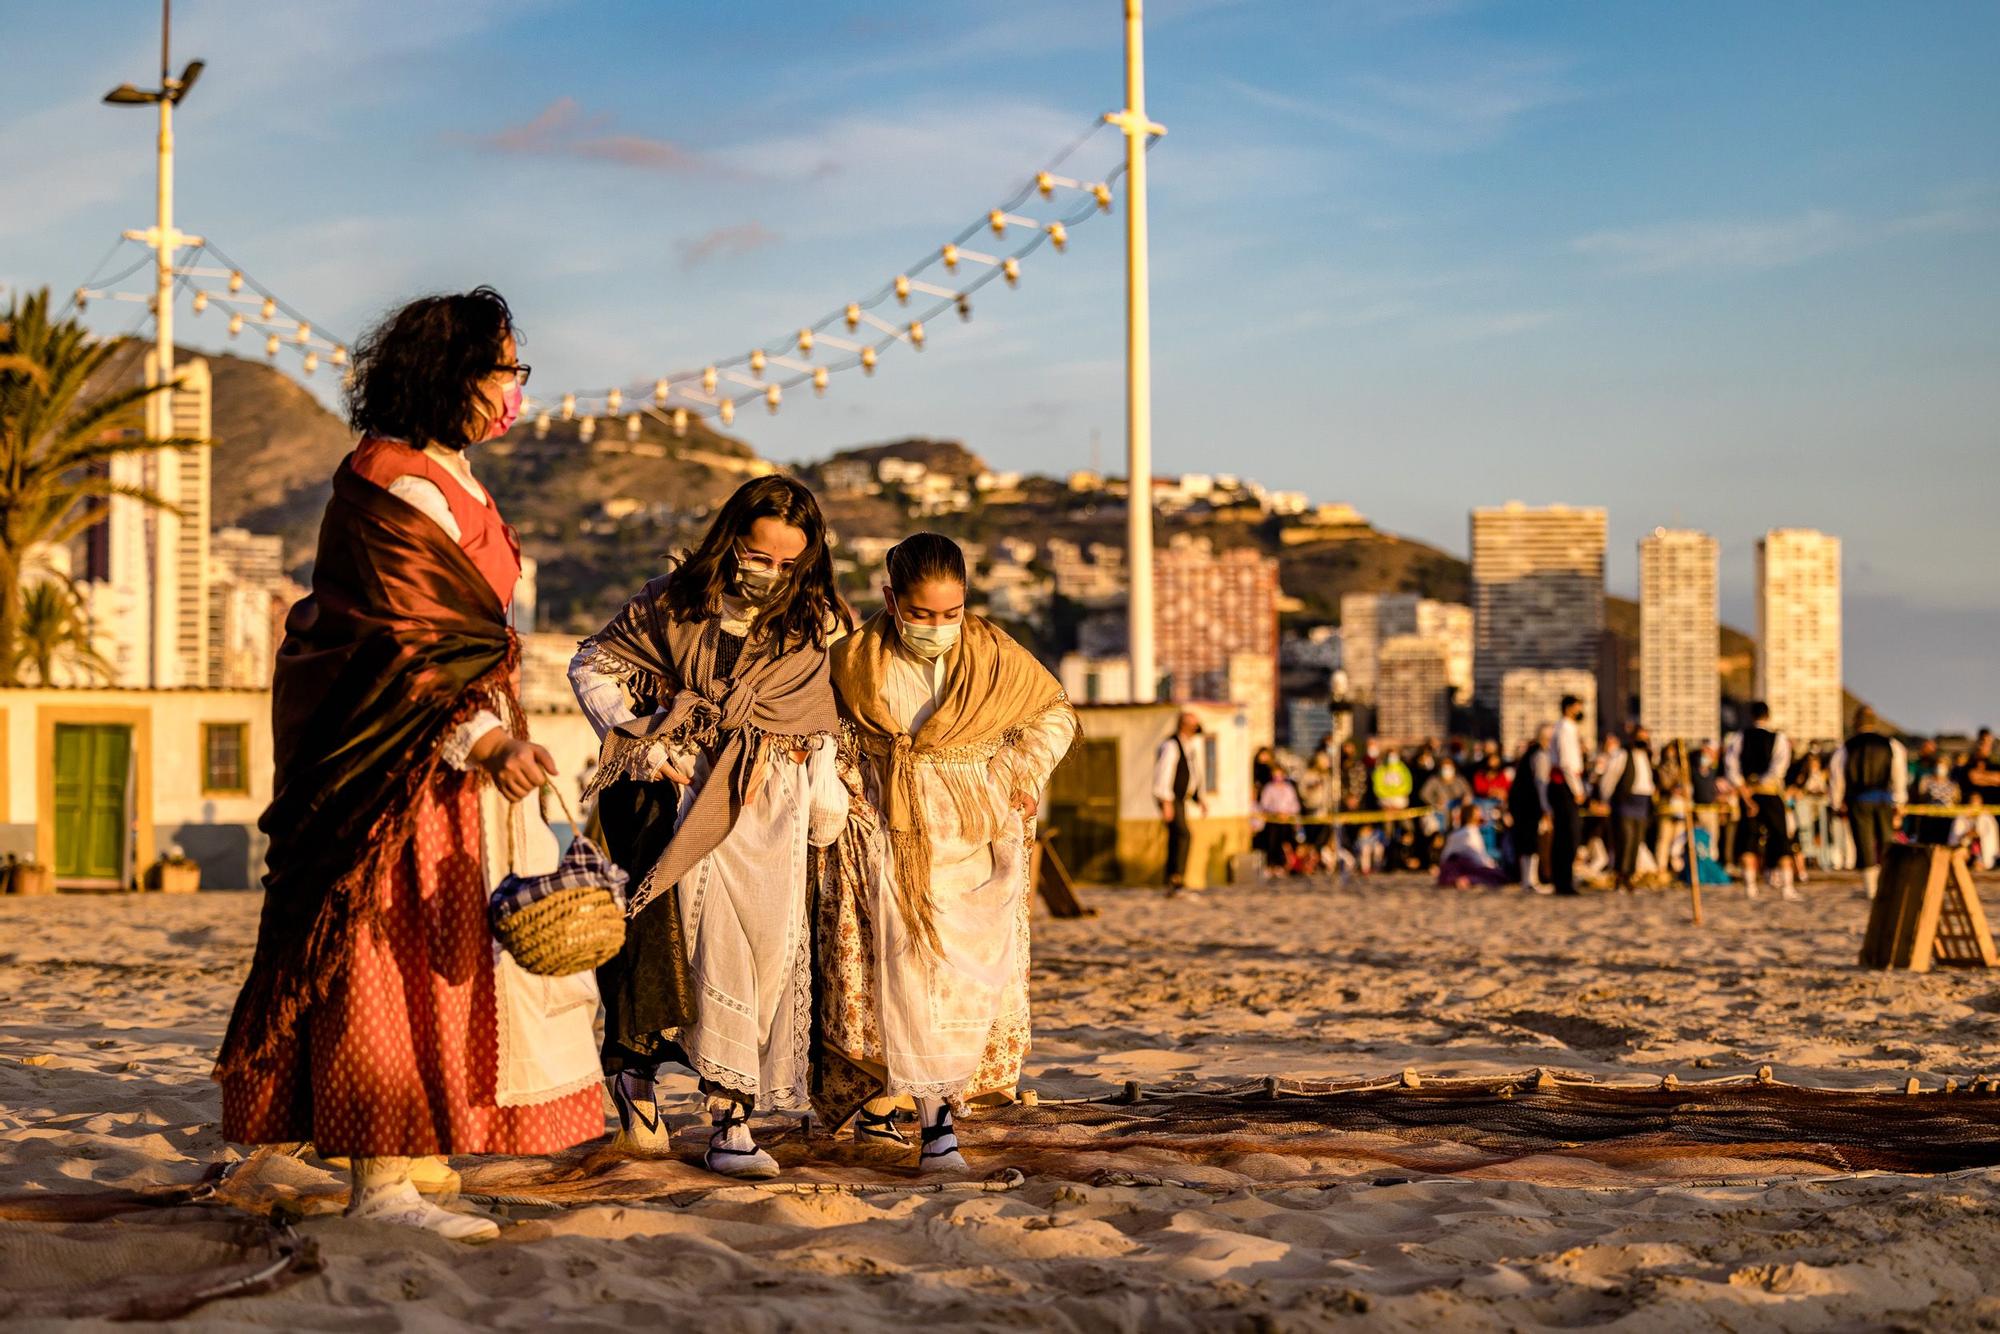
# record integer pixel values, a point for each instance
(1568, 835)
(1179, 838)
(1767, 838)
(1874, 826)
(1630, 832)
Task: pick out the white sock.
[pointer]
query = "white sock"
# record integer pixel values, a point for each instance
(737, 1137)
(1528, 868)
(1870, 875)
(936, 1112)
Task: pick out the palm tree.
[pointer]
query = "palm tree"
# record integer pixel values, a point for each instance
(53, 629)
(59, 427)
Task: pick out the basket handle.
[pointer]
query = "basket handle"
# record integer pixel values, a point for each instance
(563, 802)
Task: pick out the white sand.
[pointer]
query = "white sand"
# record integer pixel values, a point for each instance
(113, 1006)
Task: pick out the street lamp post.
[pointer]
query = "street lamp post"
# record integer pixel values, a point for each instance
(166, 242)
(1138, 366)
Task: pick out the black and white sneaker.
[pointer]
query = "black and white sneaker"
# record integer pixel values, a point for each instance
(939, 1152)
(870, 1128)
(732, 1153)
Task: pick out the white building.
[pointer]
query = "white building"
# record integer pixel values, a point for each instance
(1680, 693)
(1450, 624)
(1412, 689)
(1798, 632)
(1366, 620)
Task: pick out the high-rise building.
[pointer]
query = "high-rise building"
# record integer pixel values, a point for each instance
(143, 572)
(1208, 608)
(1531, 696)
(1412, 689)
(1798, 632)
(1537, 593)
(1680, 688)
(248, 594)
(1366, 620)
(1450, 624)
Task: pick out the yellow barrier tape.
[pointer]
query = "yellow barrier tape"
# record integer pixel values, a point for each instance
(1353, 817)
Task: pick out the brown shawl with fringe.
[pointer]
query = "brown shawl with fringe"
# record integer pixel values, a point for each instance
(993, 687)
(779, 698)
(401, 639)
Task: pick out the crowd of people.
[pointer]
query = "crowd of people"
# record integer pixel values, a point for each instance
(1620, 813)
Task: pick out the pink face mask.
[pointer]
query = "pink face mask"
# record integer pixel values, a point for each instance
(510, 411)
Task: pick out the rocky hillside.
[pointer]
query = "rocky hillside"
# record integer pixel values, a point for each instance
(600, 515)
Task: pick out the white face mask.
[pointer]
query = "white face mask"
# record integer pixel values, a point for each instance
(929, 642)
(756, 585)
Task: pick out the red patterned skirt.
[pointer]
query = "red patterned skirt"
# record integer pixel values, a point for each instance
(401, 1057)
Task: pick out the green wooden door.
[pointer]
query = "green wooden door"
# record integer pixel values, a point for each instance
(1083, 808)
(93, 764)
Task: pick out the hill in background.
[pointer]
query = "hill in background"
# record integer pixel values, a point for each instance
(600, 515)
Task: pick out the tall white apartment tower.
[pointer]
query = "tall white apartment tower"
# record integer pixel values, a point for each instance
(1537, 592)
(1798, 632)
(1680, 688)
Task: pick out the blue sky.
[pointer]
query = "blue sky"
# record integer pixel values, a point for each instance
(1723, 265)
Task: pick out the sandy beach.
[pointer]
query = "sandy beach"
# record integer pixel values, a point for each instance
(113, 1008)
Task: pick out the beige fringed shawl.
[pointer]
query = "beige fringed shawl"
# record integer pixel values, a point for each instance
(782, 699)
(993, 688)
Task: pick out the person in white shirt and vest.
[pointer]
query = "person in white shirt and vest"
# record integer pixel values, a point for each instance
(1756, 761)
(1568, 789)
(1868, 781)
(1180, 775)
(1628, 788)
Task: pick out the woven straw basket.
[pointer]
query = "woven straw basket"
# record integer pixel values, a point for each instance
(573, 930)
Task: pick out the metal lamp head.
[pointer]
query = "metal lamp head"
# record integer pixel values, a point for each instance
(125, 95)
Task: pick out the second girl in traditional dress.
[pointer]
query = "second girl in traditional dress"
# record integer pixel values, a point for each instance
(711, 693)
(924, 924)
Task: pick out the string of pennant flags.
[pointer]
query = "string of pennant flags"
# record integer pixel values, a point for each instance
(901, 313)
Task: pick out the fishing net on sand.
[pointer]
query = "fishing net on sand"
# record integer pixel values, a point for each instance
(233, 1231)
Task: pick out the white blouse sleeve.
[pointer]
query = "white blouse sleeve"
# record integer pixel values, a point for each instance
(828, 814)
(425, 497)
(600, 691)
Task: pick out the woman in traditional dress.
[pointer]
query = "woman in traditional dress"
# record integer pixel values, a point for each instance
(711, 694)
(924, 928)
(371, 1022)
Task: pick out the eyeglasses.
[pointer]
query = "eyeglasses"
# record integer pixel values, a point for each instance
(757, 560)
(520, 372)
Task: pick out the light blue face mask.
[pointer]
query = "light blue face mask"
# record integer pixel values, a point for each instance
(756, 585)
(929, 642)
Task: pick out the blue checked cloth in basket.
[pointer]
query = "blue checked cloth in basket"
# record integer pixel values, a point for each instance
(583, 865)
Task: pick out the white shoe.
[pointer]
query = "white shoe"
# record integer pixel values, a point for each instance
(939, 1151)
(732, 1153)
(400, 1206)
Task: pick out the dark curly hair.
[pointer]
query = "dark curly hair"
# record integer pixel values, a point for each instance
(417, 373)
(801, 607)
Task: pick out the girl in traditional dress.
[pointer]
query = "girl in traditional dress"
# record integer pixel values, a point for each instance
(711, 694)
(379, 1021)
(924, 928)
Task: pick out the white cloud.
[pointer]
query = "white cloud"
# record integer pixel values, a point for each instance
(1752, 244)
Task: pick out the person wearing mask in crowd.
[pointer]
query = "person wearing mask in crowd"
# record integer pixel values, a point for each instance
(956, 729)
(1354, 796)
(1391, 782)
(1527, 806)
(1600, 831)
(1180, 776)
(1319, 797)
(1937, 788)
(1756, 761)
(1278, 808)
(1979, 783)
(1261, 766)
(1868, 782)
(1423, 767)
(1491, 781)
(368, 1024)
(1444, 792)
(1568, 791)
(1465, 861)
(1629, 788)
(1923, 760)
(715, 677)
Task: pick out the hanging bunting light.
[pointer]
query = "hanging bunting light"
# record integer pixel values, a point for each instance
(200, 302)
(236, 324)
(757, 361)
(772, 396)
(853, 315)
(726, 410)
(867, 361)
(1010, 269)
(805, 342)
(235, 280)
(680, 423)
(708, 378)
(661, 389)
(917, 334)
(819, 380)
(613, 401)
